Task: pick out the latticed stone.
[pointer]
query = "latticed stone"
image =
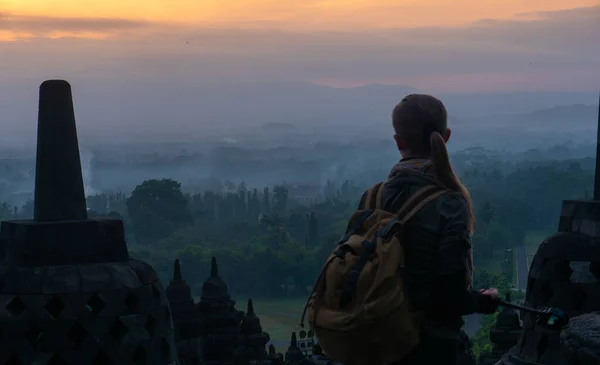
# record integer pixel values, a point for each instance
(69, 293)
(81, 327)
(564, 274)
(581, 339)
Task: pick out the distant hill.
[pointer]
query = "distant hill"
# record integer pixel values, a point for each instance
(561, 117)
(148, 110)
(565, 113)
(278, 126)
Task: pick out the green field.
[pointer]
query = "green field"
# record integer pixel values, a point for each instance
(532, 240)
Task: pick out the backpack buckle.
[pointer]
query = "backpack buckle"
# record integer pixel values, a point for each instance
(353, 276)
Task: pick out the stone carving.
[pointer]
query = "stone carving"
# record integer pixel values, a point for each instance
(69, 292)
(221, 319)
(295, 356)
(465, 350)
(185, 316)
(185, 319)
(551, 283)
(252, 339)
(507, 330)
(581, 339)
(564, 274)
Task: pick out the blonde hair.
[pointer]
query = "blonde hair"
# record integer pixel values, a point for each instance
(419, 121)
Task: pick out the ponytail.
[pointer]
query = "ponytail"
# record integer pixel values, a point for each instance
(445, 175)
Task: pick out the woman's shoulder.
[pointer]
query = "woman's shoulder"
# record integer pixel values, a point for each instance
(453, 207)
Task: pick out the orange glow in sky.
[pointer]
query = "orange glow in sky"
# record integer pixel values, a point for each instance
(346, 48)
(293, 14)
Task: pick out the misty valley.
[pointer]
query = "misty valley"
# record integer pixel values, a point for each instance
(270, 206)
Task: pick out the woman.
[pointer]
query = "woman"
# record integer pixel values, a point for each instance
(438, 242)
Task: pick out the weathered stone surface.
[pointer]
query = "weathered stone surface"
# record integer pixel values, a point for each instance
(252, 340)
(505, 333)
(69, 294)
(562, 275)
(580, 216)
(581, 338)
(294, 355)
(185, 316)
(30, 243)
(190, 351)
(59, 193)
(465, 350)
(221, 321)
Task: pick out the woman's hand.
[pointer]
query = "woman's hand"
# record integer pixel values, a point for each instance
(492, 292)
(488, 301)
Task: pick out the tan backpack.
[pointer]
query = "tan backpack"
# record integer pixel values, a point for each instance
(358, 308)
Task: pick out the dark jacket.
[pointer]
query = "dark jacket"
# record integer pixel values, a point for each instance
(437, 243)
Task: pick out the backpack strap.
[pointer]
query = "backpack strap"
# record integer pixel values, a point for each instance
(414, 203)
(418, 200)
(378, 201)
(373, 197)
(412, 206)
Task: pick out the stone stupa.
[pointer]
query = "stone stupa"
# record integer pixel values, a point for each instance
(70, 293)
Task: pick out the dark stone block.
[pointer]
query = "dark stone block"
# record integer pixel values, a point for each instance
(68, 292)
(31, 243)
(20, 280)
(145, 272)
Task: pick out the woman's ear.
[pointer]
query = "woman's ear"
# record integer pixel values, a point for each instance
(447, 134)
(399, 143)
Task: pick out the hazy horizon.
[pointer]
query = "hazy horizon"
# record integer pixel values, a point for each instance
(187, 69)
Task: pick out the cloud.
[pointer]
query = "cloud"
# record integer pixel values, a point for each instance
(568, 15)
(44, 25)
(540, 50)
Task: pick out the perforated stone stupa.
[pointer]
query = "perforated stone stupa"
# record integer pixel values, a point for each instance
(69, 292)
(565, 274)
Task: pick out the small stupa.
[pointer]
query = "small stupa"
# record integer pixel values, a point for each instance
(293, 355)
(185, 316)
(252, 338)
(220, 318)
(186, 320)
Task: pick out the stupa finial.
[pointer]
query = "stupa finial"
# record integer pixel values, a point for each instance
(59, 192)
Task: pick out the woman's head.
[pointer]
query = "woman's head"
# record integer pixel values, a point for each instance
(415, 119)
(421, 129)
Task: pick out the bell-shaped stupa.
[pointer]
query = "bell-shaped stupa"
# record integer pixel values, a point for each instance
(69, 292)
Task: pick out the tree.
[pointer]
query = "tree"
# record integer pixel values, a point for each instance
(157, 208)
(97, 203)
(280, 198)
(312, 226)
(266, 209)
(26, 211)
(486, 213)
(254, 205)
(6, 212)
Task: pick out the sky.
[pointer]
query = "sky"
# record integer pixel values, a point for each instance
(461, 45)
(153, 47)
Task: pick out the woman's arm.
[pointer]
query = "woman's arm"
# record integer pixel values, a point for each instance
(448, 293)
